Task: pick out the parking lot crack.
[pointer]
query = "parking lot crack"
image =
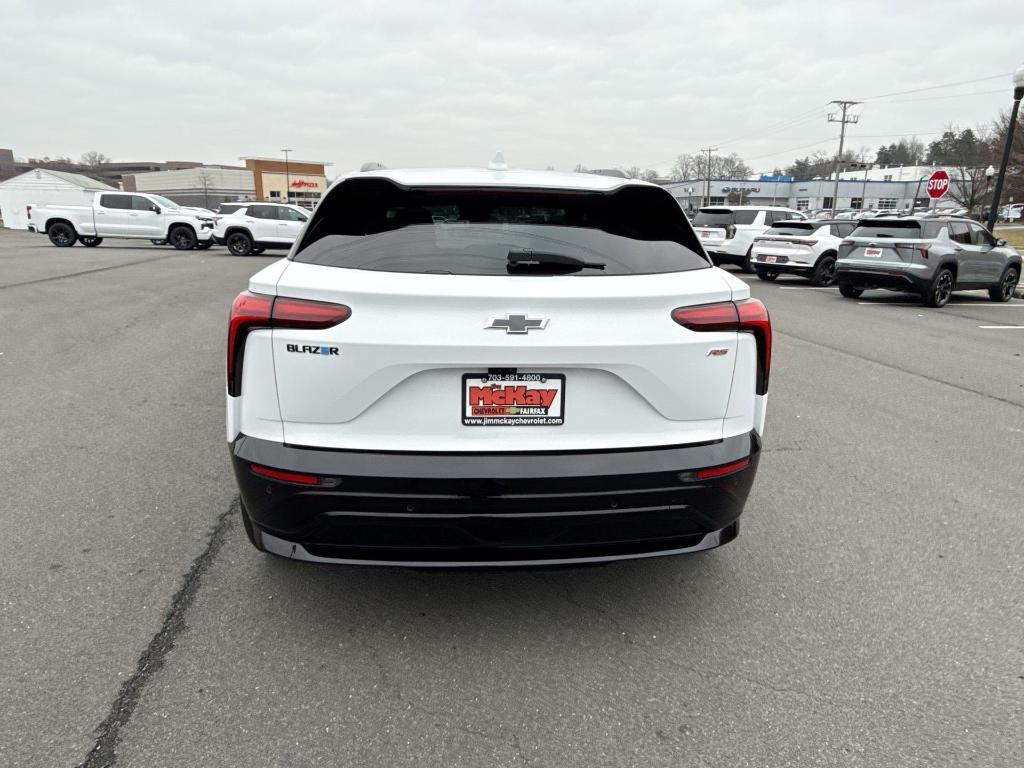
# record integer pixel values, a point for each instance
(892, 367)
(108, 733)
(89, 271)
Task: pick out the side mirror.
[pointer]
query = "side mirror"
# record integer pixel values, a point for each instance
(155, 208)
(1000, 242)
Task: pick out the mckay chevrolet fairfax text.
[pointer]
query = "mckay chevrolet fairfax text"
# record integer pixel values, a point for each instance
(494, 367)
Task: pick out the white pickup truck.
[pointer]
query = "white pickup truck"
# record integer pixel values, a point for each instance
(127, 215)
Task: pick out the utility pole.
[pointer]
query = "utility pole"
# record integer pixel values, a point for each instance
(707, 184)
(843, 121)
(287, 176)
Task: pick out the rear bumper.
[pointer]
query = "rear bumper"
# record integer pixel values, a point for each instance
(719, 255)
(495, 509)
(784, 268)
(885, 278)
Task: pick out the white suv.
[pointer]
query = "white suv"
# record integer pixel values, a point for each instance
(469, 367)
(254, 227)
(806, 248)
(728, 232)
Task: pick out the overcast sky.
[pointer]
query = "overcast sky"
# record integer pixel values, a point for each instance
(408, 82)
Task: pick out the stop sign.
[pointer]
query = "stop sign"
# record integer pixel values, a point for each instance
(938, 184)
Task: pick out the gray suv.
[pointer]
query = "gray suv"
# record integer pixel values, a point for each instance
(930, 257)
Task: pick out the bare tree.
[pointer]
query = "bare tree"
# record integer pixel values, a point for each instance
(204, 184)
(721, 167)
(94, 159)
(965, 154)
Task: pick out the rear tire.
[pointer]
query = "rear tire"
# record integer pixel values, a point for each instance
(849, 291)
(768, 275)
(940, 290)
(824, 272)
(239, 243)
(1007, 285)
(747, 266)
(90, 242)
(62, 235)
(182, 238)
(251, 531)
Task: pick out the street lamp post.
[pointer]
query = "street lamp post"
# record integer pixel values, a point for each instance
(1018, 93)
(989, 173)
(287, 175)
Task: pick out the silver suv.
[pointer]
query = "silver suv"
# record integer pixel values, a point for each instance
(931, 257)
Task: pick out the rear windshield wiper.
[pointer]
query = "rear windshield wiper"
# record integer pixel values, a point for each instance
(527, 259)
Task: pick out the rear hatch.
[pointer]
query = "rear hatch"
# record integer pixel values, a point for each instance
(504, 320)
(787, 242)
(716, 225)
(888, 243)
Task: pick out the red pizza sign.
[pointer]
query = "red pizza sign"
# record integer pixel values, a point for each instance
(938, 184)
(301, 183)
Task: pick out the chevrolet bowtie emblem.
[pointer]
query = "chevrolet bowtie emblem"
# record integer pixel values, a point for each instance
(517, 323)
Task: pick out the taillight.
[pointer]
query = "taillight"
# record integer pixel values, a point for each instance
(730, 232)
(746, 316)
(254, 310)
(911, 250)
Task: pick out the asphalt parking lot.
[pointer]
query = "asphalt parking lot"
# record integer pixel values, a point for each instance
(871, 612)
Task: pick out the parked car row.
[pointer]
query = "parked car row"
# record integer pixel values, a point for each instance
(245, 228)
(929, 254)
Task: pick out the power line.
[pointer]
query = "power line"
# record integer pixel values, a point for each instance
(937, 87)
(947, 96)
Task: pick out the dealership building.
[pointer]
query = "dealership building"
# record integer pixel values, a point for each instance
(902, 190)
(301, 182)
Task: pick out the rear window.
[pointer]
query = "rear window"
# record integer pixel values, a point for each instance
(792, 228)
(710, 217)
(901, 229)
(376, 225)
(230, 207)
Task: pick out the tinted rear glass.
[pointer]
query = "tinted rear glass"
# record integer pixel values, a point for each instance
(719, 218)
(230, 207)
(376, 225)
(793, 228)
(907, 229)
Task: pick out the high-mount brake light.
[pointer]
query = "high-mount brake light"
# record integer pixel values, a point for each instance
(745, 316)
(254, 310)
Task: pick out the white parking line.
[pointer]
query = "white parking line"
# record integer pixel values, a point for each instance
(1002, 327)
(950, 304)
(805, 288)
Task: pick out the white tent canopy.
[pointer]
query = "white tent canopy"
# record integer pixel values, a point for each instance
(42, 186)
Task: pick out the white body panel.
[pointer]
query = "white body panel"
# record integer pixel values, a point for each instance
(790, 247)
(105, 221)
(277, 232)
(633, 376)
(714, 238)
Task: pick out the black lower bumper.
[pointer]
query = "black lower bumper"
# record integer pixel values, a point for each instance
(788, 268)
(888, 280)
(488, 509)
(721, 257)
(219, 240)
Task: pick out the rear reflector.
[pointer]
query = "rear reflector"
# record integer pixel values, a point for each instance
(724, 469)
(254, 310)
(284, 475)
(746, 316)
